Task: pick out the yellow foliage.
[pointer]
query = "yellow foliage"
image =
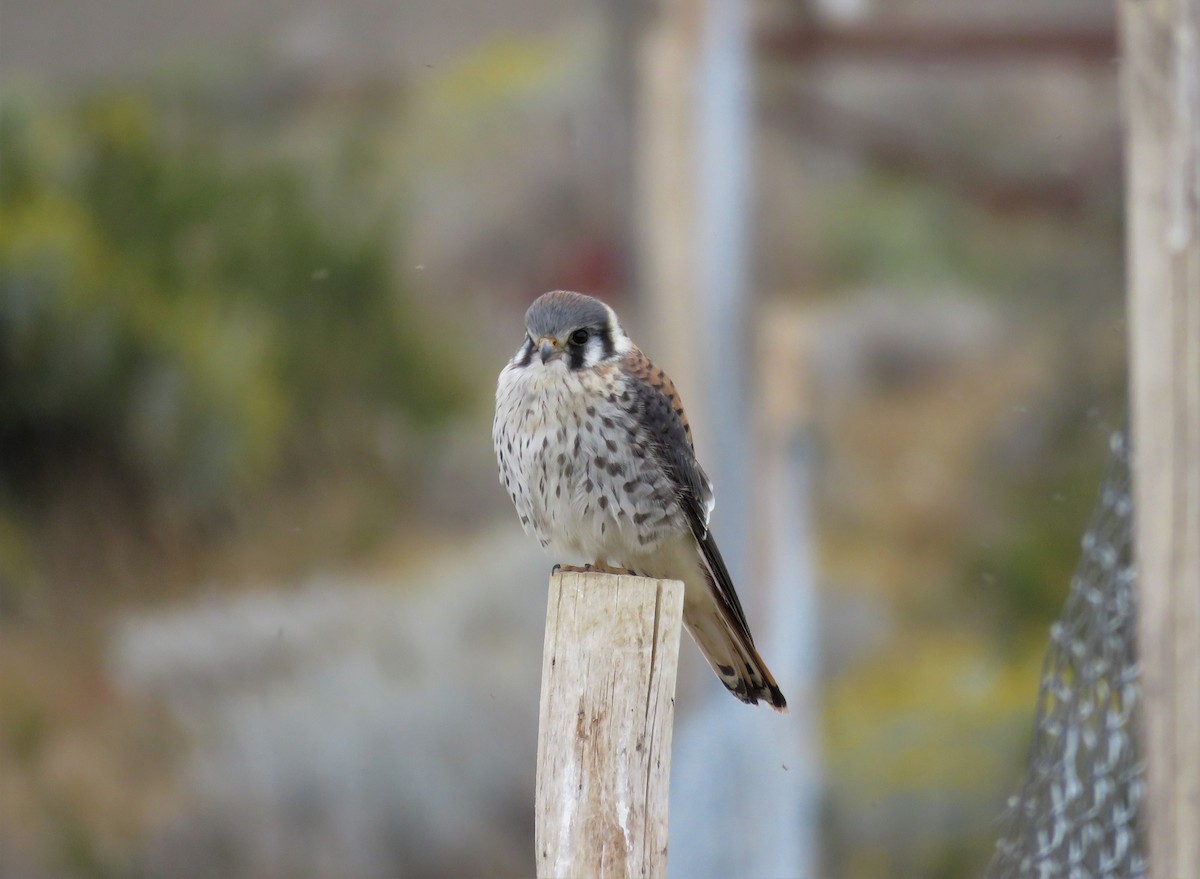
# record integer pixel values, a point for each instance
(501, 70)
(935, 712)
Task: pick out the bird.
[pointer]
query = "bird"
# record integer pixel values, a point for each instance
(596, 453)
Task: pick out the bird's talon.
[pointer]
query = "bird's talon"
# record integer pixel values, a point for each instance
(601, 568)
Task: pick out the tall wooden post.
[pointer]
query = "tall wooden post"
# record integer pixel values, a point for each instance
(604, 735)
(668, 198)
(1161, 48)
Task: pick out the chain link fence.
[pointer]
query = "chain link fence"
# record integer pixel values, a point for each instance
(1078, 814)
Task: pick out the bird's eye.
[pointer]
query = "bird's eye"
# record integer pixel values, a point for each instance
(580, 337)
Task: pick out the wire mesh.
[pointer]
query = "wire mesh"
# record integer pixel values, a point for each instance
(1078, 814)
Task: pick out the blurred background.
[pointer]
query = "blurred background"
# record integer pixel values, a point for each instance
(264, 608)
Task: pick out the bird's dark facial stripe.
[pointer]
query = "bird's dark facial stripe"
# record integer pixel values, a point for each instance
(525, 353)
(598, 348)
(576, 356)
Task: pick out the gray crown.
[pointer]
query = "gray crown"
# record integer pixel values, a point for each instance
(559, 312)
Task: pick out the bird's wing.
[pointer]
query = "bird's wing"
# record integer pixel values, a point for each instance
(659, 411)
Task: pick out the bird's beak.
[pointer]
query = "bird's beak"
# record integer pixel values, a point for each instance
(548, 349)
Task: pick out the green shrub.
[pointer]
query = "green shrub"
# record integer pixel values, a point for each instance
(189, 316)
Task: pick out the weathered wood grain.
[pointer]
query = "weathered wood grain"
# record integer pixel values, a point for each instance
(604, 737)
(1161, 77)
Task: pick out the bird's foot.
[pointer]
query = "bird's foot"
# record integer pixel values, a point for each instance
(608, 569)
(597, 568)
(572, 569)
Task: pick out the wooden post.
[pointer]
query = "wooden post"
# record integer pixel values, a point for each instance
(604, 735)
(1161, 71)
(668, 198)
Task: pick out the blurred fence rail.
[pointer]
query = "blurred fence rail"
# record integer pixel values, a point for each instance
(926, 42)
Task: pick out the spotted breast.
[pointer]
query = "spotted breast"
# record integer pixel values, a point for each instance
(577, 465)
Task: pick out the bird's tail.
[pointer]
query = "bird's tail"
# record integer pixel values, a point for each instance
(733, 657)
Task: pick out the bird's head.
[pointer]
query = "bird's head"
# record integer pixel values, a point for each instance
(577, 330)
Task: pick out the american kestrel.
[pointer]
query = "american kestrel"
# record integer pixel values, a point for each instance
(596, 453)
